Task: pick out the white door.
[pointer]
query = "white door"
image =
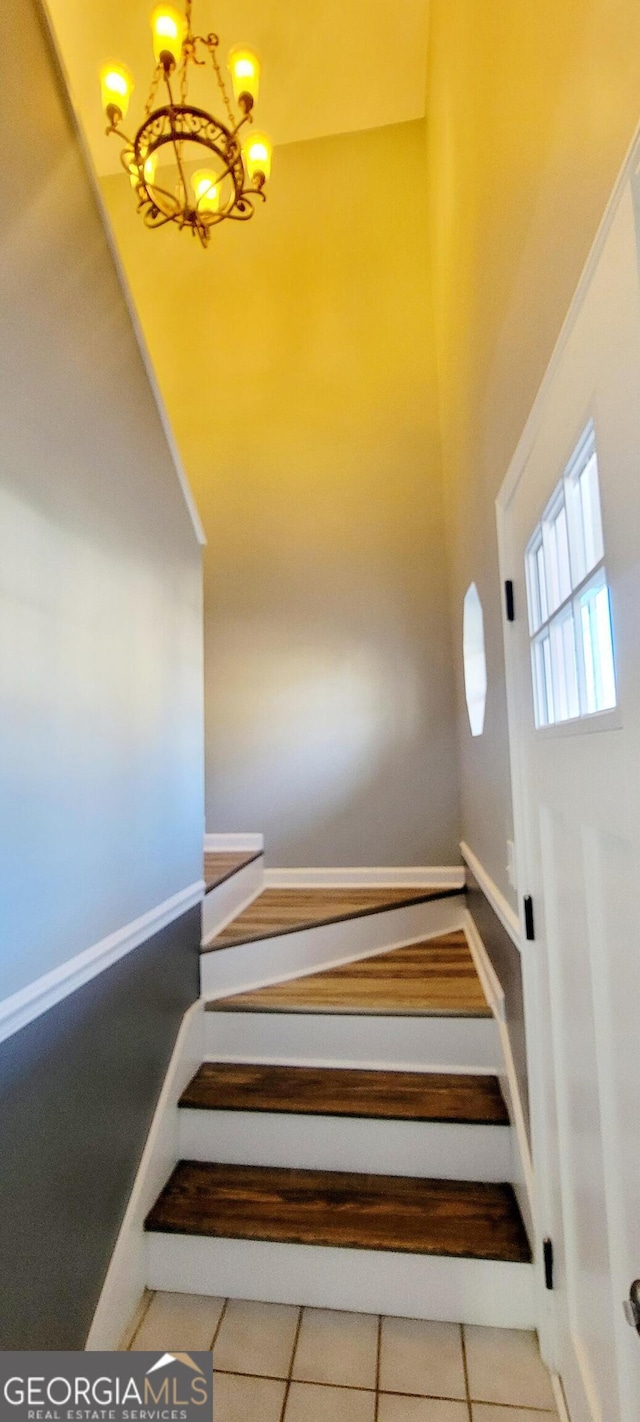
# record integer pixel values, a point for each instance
(576, 770)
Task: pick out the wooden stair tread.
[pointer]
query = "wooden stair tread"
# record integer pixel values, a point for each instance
(326, 1091)
(280, 911)
(436, 977)
(220, 865)
(339, 1209)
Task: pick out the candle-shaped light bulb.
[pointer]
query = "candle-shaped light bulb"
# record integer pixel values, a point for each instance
(244, 68)
(257, 156)
(206, 189)
(116, 87)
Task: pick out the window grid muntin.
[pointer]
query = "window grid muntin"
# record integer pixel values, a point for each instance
(578, 494)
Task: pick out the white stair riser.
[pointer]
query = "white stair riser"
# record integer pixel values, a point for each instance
(478, 1291)
(269, 960)
(432, 1149)
(346, 1040)
(227, 899)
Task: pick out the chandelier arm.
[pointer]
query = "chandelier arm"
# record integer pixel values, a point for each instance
(174, 141)
(246, 118)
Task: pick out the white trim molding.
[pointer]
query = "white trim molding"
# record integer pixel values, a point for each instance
(494, 994)
(439, 877)
(491, 985)
(123, 1291)
(232, 843)
(37, 997)
(500, 905)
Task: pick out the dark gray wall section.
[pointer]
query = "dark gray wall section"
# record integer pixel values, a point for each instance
(78, 1088)
(506, 960)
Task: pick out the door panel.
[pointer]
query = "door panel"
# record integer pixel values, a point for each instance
(577, 797)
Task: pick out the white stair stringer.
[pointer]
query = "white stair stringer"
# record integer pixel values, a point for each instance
(224, 971)
(435, 1150)
(226, 900)
(343, 1039)
(456, 1290)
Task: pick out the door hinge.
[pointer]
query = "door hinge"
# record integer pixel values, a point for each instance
(547, 1252)
(509, 601)
(529, 927)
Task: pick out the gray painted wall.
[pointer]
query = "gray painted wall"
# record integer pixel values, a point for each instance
(78, 1089)
(101, 802)
(506, 960)
(302, 388)
(100, 572)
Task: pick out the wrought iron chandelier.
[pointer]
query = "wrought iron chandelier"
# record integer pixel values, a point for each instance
(187, 165)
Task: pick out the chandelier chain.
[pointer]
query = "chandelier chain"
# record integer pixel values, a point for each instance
(212, 45)
(153, 90)
(188, 52)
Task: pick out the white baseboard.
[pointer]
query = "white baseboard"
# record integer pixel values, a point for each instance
(230, 843)
(31, 1001)
(437, 877)
(500, 905)
(127, 1274)
(454, 1290)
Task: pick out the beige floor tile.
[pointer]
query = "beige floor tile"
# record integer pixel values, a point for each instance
(238, 1399)
(340, 1348)
(256, 1338)
(421, 1409)
(483, 1412)
(307, 1402)
(178, 1323)
(504, 1365)
(423, 1358)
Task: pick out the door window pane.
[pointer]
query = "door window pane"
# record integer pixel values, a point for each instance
(597, 648)
(572, 650)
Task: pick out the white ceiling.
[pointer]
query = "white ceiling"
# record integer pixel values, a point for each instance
(329, 66)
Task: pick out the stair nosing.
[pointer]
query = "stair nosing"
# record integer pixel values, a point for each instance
(427, 896)
(480, 1015)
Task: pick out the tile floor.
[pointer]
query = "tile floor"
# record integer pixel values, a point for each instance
(278, 1363)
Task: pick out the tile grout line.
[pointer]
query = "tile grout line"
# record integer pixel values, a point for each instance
(465, 1367)
(152, 1294)
(218, 1326)
(287, 1386)
(378, 1352)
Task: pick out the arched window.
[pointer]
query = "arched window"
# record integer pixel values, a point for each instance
(475, 663)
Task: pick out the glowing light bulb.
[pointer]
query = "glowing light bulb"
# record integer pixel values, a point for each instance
(244, 68)
(206, 189)
(168, 28)
(257, 156)
(149, 169)
(116, 86)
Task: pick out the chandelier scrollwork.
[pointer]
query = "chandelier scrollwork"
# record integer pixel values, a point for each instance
(188, 165)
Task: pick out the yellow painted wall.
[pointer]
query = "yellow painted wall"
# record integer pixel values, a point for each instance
(531, 109)
(296, 360)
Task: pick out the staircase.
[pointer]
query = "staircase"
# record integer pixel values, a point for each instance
(345, 1141)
